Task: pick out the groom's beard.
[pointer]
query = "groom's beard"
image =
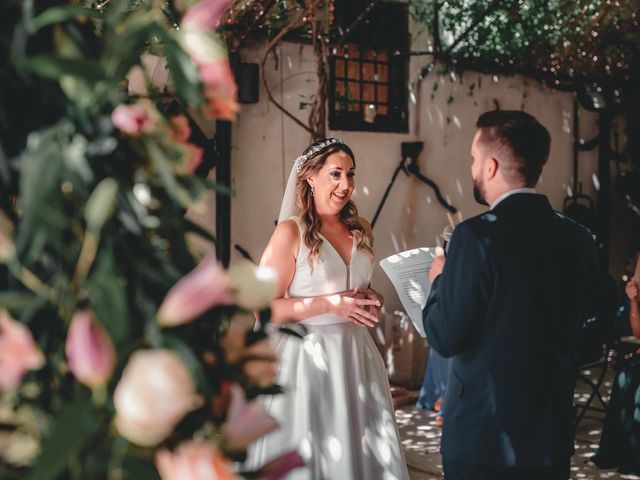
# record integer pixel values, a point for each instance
(479, 192)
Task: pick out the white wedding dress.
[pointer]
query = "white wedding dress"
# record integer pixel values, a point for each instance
(336, 409)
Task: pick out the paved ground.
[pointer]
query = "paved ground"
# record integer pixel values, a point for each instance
(421, 440)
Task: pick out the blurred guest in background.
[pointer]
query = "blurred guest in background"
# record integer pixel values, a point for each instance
(620, 441)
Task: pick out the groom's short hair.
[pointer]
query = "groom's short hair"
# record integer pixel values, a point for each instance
(520, 142)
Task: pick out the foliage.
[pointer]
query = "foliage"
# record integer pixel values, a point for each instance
(95, 179)
(590, 47)
(253, 21)
(568, 39)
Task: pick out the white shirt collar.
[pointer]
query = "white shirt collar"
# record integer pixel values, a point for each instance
(509, 193)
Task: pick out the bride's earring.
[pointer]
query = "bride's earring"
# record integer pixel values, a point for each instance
(313, 191)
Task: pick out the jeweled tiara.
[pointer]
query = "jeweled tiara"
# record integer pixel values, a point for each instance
(301, 160)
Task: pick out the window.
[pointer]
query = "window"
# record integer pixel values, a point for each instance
(368, 79)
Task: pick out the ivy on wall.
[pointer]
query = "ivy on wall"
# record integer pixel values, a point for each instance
(588, 47)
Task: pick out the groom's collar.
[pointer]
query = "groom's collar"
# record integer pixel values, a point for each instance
(509, 193)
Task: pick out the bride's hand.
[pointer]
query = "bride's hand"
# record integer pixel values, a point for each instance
(373, 295)
(353, 306)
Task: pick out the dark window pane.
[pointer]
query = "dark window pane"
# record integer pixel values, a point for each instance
(368, 92)
(353, 70)
(353, 96)
(368, 71)
(383, 74)
(368, 84)
(382, 94)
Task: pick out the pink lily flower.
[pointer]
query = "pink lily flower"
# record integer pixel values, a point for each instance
(220, 90)
(245, 422)
(201, 289)
(18, 352)
(193, 461)
(90, 353)
(206, 14)
(133, 119)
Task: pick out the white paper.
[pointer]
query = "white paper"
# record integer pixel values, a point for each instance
(409, 275)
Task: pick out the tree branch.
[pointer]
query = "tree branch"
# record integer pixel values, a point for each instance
(318, 114)
(249, 30)
(294, 24)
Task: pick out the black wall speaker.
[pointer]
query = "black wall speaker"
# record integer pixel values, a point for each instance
(248, 78)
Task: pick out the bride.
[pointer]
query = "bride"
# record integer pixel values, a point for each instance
(336, 409)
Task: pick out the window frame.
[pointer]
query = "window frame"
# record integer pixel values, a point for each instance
(397, 78)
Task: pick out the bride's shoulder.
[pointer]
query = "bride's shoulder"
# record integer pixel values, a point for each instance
(287, 232)
(289, 226)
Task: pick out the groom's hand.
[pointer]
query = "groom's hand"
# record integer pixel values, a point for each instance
(436, 268)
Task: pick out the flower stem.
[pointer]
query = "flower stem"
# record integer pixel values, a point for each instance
(87, 256)
(30, 280)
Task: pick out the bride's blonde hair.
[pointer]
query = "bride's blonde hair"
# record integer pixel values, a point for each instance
(305, 205)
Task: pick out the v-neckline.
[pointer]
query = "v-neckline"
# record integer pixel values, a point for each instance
(338, 252)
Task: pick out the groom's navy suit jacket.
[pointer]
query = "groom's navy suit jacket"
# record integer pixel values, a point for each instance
(517, 284)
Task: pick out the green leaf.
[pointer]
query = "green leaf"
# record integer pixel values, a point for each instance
(107, 295)
(198, 187)
(218, 187)
(60, 14)
(70, 431)
(135, 468)
(17, 300)
(185, 75)
(75, 160)
(50, 66)
(162, 165)
(43, 218)
(198, 230)
(101, 204)
(191, 361)
(116, 11)
(78, 91)
(134, 216)
(137, 32)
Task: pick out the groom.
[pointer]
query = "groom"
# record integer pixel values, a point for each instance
(507, 306)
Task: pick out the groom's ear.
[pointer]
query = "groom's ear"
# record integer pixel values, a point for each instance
(492, 167)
